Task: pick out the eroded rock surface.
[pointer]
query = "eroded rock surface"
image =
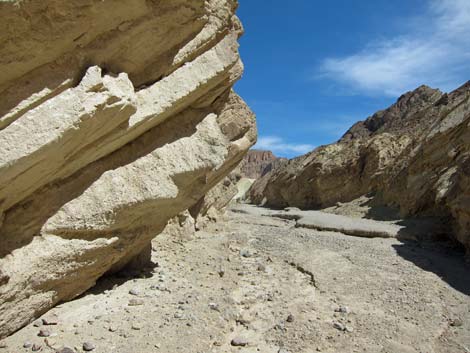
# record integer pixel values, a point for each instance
(110, 125)
(258, 163)
(414, 155)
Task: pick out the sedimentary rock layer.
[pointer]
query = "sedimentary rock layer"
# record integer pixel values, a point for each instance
(258, 163)
(113, 120)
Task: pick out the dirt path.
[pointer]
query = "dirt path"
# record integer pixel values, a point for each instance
(262, 284)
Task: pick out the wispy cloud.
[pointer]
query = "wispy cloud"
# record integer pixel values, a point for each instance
(281, 148)
(435, 52)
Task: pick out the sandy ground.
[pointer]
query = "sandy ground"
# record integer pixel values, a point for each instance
(262, 284)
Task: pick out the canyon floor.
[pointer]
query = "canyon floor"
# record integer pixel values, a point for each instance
(256, 283)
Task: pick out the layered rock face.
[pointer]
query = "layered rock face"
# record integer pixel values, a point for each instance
(113, 120)
(258, 163)
(414, 155)
(255, 162)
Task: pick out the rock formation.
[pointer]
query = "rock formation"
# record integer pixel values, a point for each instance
(415, 155)
(113, 120)
(258, 163)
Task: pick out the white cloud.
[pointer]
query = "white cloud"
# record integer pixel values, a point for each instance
(279, 147)
(436, 53)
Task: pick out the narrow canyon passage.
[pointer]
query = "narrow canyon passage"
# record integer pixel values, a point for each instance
(256, 283)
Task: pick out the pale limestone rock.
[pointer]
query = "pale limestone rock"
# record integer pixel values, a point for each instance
(110, 126)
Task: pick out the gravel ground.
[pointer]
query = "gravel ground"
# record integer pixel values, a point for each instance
(258, 284)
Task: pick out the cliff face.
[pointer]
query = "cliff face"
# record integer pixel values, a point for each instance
(258, 163)
(113, 120)
(415, 155)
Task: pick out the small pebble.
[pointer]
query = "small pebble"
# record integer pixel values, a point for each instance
(246, 253)
(27, 345)
(37, 323)
(339, 326)
(343, 309)
(239, 342)
(134, 292)
(290, 318)
(36, 347)
(136, 326)
(88, 346)
(66, 350)
(214, 306)
(456, 322)
(44, 332)
(50, 320)
(136, 302)
(3, 344)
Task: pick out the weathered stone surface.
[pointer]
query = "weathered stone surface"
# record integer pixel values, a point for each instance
(414, 155)
(330, 222)
(258, 163)
(110, 125)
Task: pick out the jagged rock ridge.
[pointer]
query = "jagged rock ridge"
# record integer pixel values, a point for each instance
(258, 163)
(113, 120)
(415, 155)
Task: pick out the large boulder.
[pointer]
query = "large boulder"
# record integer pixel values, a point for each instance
(113, 120)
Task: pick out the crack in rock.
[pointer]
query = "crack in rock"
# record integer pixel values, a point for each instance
(304, 271)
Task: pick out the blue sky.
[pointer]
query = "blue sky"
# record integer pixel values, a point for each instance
(313, 68)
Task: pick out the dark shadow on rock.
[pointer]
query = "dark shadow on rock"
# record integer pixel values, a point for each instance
(111, 281)
(379, 211)
(446, 259)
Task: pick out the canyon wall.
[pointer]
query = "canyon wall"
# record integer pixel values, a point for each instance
(414, 155)
(113, 120)
(257, 163)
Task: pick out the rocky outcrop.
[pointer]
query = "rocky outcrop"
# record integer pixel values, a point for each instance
(258, 163)
(113, 120)
(414, 155)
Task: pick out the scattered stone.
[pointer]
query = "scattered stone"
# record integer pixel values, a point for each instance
(3, 345)
(27, 345)
(135, 292)
(239, 342)
(290, 318)
(36, 347)
(136, 302)
(136, 326)
(261, 268)
(349, 329)
(246, 253)
(112, 328)
(214, 306)
(456, 322)
(37, 323)
(221, 272)
(51, 343)
(178, 315)
(339, 326)
(88, 346)
(45, 332)
(343, 309)
(66, 350)
(50, 320)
